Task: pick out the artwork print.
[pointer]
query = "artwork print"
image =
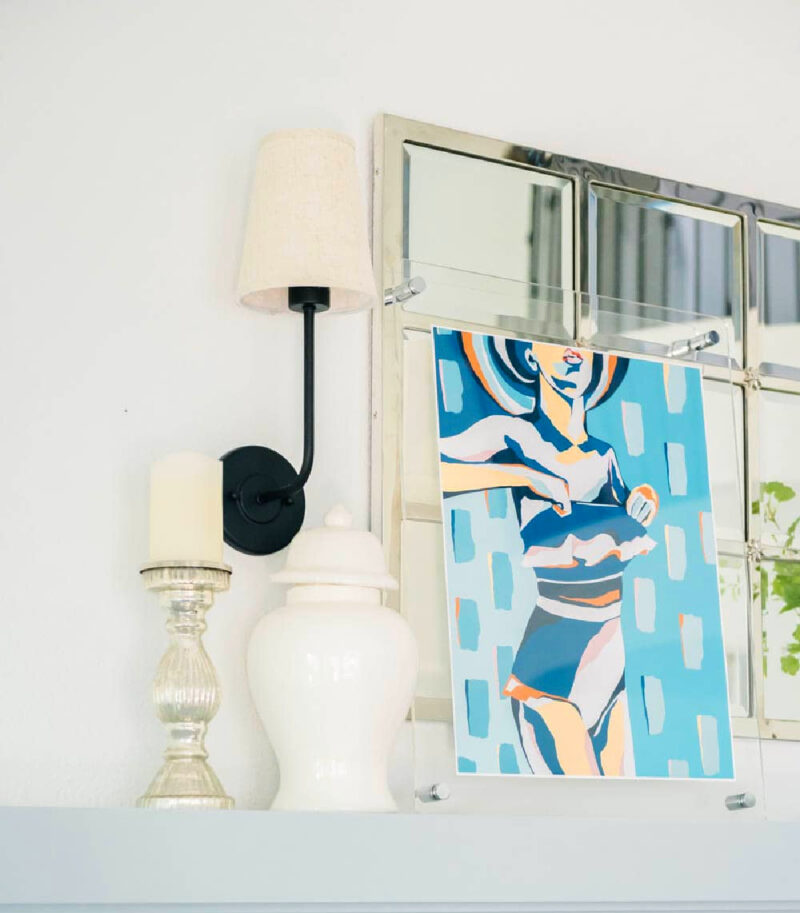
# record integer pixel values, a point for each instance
(582, 591)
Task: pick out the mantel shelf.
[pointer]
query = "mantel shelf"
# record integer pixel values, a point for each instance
(56, 859)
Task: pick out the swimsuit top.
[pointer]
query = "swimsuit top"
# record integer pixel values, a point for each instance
(594, 540)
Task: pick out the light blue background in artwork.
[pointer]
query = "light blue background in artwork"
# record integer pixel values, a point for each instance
(687, 695)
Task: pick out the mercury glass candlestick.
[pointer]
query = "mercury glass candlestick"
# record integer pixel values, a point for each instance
(186, 692)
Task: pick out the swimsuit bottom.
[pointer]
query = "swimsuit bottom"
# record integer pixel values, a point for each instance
(550, 656)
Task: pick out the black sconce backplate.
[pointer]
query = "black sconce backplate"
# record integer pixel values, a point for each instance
(253, 524)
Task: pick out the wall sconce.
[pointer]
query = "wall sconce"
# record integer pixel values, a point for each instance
(305, 250)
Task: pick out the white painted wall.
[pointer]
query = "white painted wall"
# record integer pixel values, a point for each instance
(128, 137)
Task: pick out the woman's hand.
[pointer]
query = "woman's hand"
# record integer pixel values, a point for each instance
(642, 504)
(551, 488)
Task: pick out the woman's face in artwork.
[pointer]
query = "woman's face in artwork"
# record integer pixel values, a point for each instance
(568, 371)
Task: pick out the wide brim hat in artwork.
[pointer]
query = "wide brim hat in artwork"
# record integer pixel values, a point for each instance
(506, 369)
(509, 372)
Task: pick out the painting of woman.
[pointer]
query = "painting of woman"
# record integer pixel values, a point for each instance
(580, 526)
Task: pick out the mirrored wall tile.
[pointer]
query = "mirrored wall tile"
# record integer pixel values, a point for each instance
(779, 299)
(735, 603)
(779, 468)
(486, 217)
(420, 465)
(724, 417)
(778, 589)
(424, 605)
(663, 252)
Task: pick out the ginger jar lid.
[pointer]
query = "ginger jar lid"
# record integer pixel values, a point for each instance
(336, 554)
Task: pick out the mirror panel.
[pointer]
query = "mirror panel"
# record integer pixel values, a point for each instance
(779, 470)
(658, 251)
(779, 581)
(735, 603)
(779, 250)
(724, 415)
(487, 217)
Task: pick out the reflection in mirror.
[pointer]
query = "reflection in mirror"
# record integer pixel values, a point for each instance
(486, 217)
(779, 581)
(779, 506)
(424, 604)
(663, 252)
(420, 463)
(723, 407)
(779, 249)
(734, 601)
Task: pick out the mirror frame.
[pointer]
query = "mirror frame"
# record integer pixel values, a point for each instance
(389, 248)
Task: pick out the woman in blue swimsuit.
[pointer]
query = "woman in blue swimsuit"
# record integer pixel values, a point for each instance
(580, 527)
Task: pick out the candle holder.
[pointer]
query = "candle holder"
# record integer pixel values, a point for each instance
(186, 691)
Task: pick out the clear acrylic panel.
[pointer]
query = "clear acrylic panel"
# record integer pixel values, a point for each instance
(779, 335)
(487, 300)
(665, 252)
(779, 469)
(460, 298)
(633, 326)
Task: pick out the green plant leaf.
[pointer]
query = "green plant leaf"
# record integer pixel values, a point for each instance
(790, 664)
(778, 490)
(786, 584)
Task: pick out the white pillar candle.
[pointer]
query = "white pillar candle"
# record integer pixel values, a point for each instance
(186, 508)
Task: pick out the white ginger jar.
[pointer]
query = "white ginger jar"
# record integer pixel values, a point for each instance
(333, 672)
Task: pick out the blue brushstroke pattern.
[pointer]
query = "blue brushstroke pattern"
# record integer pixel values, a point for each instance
(507, 758)
(477, 694)
(453, 385)
(692, 641)
(498, 503)
(633, 428)
(709, 744)
(644, 594)
(461, 533)
(676, 468)
(676, 388)
(676, 544)
(505, 660)
(654, 708)
(469, 624)
(502, 581)
(678, 768)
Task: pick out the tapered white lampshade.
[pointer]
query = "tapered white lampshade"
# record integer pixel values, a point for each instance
(307, 224)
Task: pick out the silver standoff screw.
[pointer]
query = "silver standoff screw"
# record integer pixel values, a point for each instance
(740, 800)
(436, 793)
(414, 286)
(695, 344)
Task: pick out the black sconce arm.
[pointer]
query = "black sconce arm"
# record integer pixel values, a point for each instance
(263, 501)
(286, 491)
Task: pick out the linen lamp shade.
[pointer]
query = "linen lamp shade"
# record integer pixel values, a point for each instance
(306, 224)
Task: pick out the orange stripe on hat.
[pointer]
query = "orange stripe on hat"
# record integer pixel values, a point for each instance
(474, 363)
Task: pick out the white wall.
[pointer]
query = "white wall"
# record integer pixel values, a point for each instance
(128, 137)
